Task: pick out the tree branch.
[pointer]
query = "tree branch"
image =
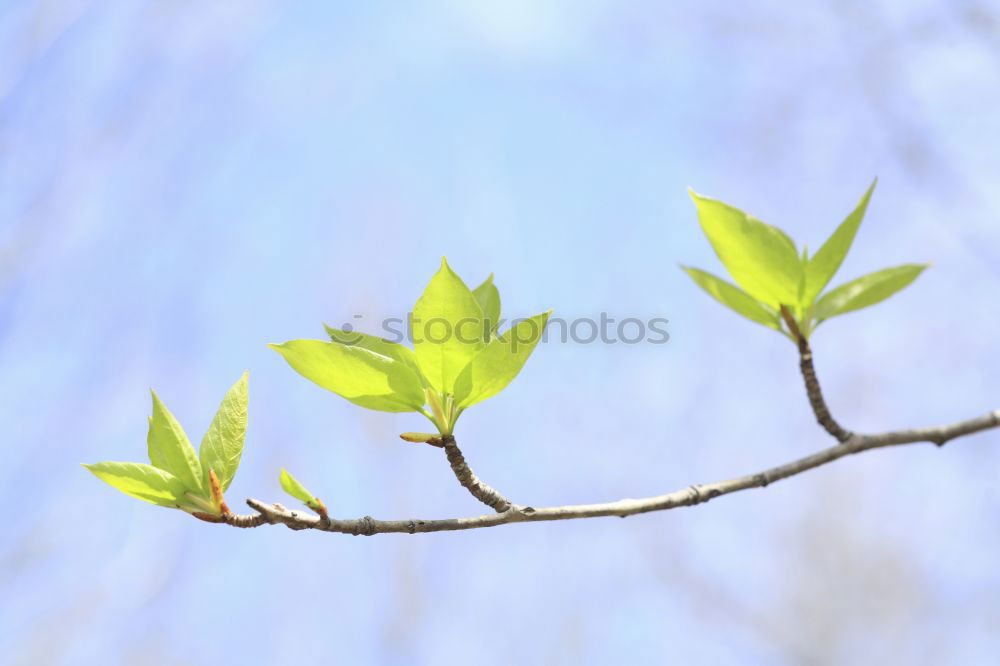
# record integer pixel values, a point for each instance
(689, 496)
(507, 512)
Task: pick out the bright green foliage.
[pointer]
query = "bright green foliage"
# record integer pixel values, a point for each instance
(177, 477)
(222, 445)
(291, 486)
(169, 448)
(393, 350)
(868, 290)
(735, 298)
(770, 271)
(447, 327)
(142, 481)
(822, 267)
(488, 297)
(761, 258)
(458, 357)
(364, 377)
(461, 358)
(492, 370)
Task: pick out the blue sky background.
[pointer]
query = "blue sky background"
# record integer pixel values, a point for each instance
(183, 182)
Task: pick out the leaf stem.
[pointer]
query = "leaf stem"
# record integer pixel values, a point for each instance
(813, 390)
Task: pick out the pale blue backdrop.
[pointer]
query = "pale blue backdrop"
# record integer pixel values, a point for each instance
(183, 182)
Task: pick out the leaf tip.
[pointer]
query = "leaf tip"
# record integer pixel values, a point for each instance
(871, 188)
(242, 383)
(157, 403)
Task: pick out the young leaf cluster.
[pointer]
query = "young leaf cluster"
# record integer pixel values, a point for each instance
(458, 359)
(770, 272)
(178, 477)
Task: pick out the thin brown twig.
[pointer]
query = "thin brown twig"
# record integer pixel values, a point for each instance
(689, 496)
(481, 491)
(813, 390)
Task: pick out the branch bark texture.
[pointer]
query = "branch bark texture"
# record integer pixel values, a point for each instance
(469, 480)
(813, 390)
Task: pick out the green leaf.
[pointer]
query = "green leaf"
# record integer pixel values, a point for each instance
(497, 365)
(291, 486)
(824, 265)
(734, 298)
(447, 328)
(395, 351)
(145, 482)
(761, 258)
(222, 445)
(170, 450)
(868, 290)
(488, 297)
(360, 375)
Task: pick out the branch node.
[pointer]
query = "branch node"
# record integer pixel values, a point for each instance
(762, 480)
(365, 527)
(695, 494)
(263, 510)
